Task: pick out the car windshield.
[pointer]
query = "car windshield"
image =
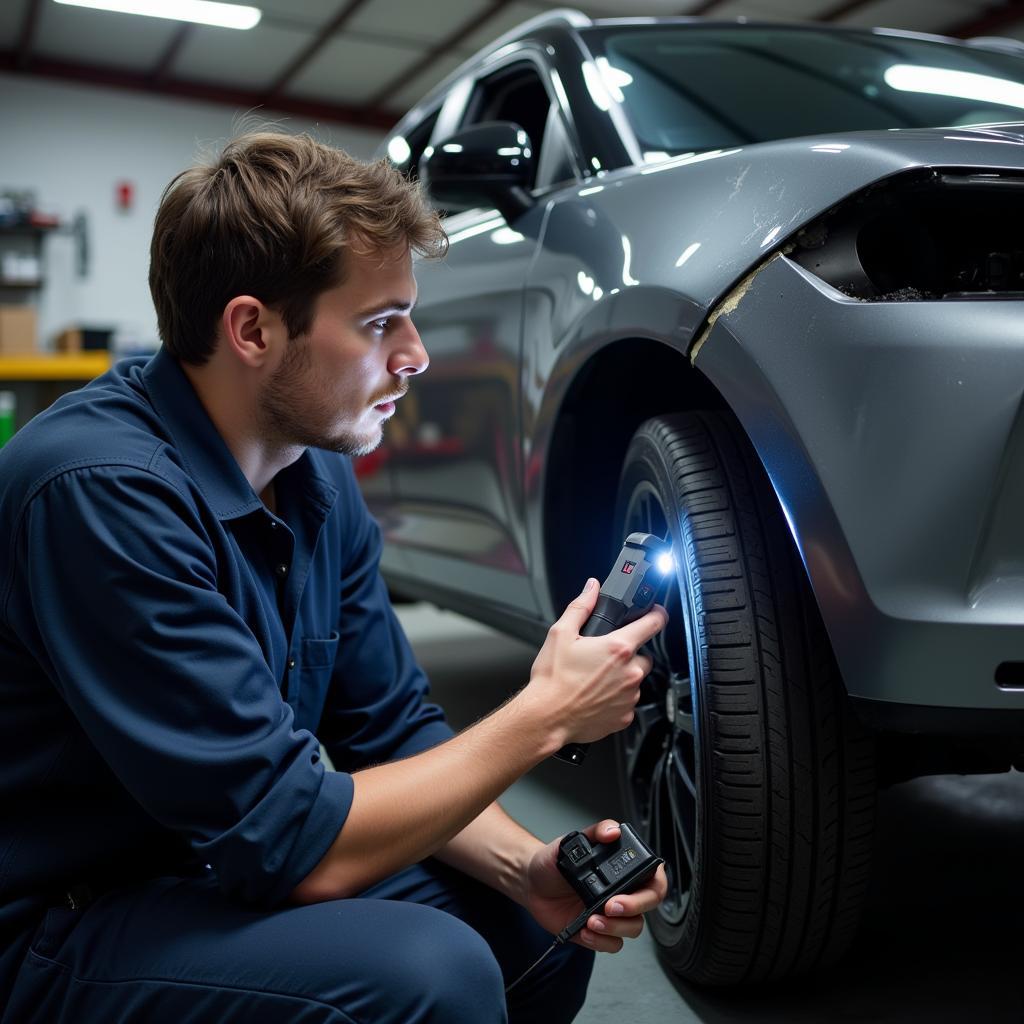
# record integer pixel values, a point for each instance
(688, 89)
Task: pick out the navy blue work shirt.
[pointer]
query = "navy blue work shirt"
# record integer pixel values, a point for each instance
(171, 652)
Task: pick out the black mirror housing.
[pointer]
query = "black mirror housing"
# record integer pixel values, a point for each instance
(490, 164)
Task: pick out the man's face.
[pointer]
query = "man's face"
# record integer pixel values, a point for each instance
(336, 385)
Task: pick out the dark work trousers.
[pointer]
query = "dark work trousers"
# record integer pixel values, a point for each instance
(426, 945)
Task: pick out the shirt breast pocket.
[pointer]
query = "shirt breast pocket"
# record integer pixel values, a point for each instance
(310, 678)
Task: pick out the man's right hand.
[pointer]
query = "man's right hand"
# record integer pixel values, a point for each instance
(581, 689)
(591, 684)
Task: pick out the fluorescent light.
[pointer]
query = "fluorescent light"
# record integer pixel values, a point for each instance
(506, 236)
(604, 82)
(614, 78)
(965, 85)
(398, 150)
(688, 158)
(477, 229)
(595, 86)
(627, 258)
(687, 253)
(204, 12)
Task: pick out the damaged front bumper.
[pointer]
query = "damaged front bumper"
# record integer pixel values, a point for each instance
(893, 434)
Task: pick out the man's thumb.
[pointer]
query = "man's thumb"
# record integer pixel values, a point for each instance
(580, 609)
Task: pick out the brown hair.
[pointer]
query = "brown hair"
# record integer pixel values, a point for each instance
(273, 216)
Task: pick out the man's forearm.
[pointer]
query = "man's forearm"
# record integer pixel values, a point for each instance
(406, 810)
(495, 849)
(581, 688)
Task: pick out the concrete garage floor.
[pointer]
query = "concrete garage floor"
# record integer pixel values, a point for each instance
(943, 938)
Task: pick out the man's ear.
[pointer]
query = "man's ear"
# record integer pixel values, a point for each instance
(251, 331)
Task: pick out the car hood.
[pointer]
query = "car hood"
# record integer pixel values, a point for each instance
(698, 224)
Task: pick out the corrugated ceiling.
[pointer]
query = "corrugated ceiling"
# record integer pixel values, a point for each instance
(366, 61)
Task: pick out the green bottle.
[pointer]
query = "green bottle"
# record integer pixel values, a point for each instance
(8, 403)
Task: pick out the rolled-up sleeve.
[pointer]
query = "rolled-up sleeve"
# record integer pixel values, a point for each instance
(167, 680)
(377, 708)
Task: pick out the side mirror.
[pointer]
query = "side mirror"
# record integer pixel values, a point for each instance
(490, 164)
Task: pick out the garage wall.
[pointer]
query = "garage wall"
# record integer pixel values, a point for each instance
(72, 145)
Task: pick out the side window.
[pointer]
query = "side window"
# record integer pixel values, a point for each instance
(404, 151)
(516, 93)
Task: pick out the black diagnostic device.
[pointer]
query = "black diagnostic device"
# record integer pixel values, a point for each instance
(599, 871)
(638, 578)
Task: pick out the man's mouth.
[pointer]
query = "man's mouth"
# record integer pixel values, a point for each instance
(388, 405)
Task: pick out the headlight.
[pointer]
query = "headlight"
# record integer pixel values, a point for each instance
(923, 236)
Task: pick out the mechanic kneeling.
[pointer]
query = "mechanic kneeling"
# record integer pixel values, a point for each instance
(191, 604)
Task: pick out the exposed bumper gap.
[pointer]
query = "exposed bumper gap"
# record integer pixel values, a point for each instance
(924, 235)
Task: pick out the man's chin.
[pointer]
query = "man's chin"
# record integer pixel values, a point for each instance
(354, 446)
(366, 449)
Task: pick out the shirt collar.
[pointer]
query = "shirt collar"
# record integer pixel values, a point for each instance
(198, 442)
(203, 450)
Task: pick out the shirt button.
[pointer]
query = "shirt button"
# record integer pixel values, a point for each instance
(273, 524)
(282, 570)
(291, 663)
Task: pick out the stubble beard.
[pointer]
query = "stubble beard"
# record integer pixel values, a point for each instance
(291, 407)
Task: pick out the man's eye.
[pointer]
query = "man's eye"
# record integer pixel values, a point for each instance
(381, 325)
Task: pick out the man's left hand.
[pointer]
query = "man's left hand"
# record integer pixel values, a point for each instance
(554, 904)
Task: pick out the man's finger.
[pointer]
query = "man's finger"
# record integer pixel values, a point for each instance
(603, 831)
(621, 927)
(597, 942)
(581, 607)
(640, 902)
(635, 904)
(637, 633)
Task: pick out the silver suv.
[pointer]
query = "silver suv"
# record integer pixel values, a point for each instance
(758, 288)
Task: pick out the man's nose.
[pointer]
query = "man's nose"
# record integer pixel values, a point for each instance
(409, 356)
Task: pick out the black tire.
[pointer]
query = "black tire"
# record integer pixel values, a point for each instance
(744, 767)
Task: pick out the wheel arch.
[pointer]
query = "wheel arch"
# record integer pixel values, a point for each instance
(579, 492)
(588, 445)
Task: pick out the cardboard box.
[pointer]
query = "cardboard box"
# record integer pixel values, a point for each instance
(17, 330)
(83, 339)
(69, 340)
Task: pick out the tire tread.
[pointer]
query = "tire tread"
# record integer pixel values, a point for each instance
(791, 787)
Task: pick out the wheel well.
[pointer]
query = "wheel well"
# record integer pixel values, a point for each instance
(624, 384)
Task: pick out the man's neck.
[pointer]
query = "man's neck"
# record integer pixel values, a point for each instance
(269, 498)
(233, 410)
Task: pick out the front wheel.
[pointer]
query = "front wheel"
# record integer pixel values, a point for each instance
(744, 767)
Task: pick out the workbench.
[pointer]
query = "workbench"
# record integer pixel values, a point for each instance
(38, 380)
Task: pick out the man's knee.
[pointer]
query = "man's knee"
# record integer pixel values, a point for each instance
(450, 974)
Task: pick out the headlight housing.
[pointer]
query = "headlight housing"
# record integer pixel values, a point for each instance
(923, 235)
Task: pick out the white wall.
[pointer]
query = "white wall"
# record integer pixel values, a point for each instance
(72, 144)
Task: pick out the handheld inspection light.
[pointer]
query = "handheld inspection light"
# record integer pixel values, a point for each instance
(638, 578)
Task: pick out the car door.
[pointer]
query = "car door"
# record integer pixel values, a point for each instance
(457, 457)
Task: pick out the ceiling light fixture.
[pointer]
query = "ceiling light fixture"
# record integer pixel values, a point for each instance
(203, 12)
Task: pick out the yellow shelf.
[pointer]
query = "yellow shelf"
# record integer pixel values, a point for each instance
(77, 366)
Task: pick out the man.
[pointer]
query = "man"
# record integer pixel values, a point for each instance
(190, 603)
